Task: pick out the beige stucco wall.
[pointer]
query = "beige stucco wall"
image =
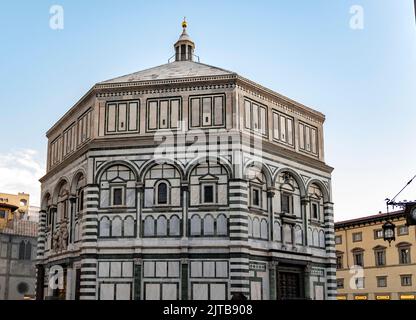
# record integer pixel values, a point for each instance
(393, 270)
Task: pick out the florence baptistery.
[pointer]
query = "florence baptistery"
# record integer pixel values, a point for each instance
(186, 181)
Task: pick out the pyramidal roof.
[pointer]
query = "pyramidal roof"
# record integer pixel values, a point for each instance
(173, 70)
(183, 66)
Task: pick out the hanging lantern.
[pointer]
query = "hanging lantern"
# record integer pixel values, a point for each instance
(389, 231)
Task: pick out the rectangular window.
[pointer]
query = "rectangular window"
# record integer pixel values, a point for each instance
(301, 136)
(2, 214)
(382, 282)
(315, 211)
(308, 138)
(152, 115)
(404, 255)
(69, 140)
(378, 234)
(56, 151)
(338, 239)
(117, 196)
(256, 197)
(357, 236)
(339, 261)
(195, 107)
(359, 259)
(122, 117)
(380, 257)
(111, 117)
(340, 283)
(283, 128)
(406, 280)
(163, 113)
(403, 230)
(84, 127)
(208, 193)
(255, 117)
(286, 203)
(219, 111)
(206, 111)
(174, 114)
(263, 119)
(247, 113)
(133, 116)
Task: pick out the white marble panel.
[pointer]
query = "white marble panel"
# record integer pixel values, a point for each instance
(196, 269)
(104, 269)
(200, 291)
(161, 269)
(152, 291)
(169, 291)
(127, 269)
(149, 269)
(217, 291)
(209, 269)
(173, 269)
(115, 270)
(222, 269)
(123, 291)
(107, 291)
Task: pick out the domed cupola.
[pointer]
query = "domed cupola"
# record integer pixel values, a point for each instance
(184, 47)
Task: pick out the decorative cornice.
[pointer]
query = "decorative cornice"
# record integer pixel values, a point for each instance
(100, 90)
(369, 220)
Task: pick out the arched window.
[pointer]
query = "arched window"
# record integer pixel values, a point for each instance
(222, 225)
(80, 200)
(277, 231)
(310, 237)
(162, 193)
(321, 239)
(289, 194)
(316, 202)
(129, 227)
(256, 228)
(298, 235)
(149, 226)
(315, 238)
(287, 229)
(62, 205)
(105, 227)
(264, 234)
(114, 187)
(76, 232)
(116, 227)
(162, 226)
(174, 226)
(195, 225)
(208, 225)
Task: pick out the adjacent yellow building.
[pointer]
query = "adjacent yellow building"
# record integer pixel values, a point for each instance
(12, 206)
(368, 268)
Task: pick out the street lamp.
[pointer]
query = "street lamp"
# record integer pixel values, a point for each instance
(389, 231)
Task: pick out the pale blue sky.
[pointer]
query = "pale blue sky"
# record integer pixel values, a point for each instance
(363, 80)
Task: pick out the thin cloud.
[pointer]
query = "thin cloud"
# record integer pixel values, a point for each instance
(20, 171)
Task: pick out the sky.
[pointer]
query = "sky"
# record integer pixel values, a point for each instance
(359, 73)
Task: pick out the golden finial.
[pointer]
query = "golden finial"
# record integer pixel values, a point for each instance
(184, 23)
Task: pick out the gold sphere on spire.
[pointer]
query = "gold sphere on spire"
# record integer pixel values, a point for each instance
(184, 23)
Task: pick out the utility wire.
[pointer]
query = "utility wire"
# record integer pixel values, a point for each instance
(410, 181)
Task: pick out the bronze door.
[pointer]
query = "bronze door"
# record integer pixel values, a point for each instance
(289, 285)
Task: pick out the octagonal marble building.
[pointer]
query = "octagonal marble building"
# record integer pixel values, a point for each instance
(186, 181)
